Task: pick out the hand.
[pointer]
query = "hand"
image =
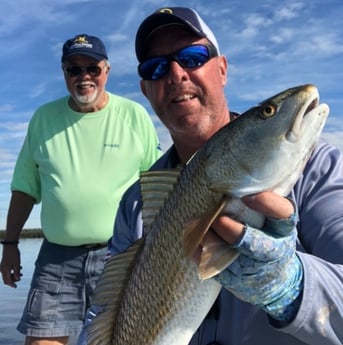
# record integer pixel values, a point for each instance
(267, 272)
(10, 265)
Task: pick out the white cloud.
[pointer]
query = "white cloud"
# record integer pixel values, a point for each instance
(290, 10)
(12, 128)
(38, 90)
(4, 108)
(283, 36)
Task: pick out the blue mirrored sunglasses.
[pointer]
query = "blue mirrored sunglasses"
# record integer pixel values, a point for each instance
(190, 57)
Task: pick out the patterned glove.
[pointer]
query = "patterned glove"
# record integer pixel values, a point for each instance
(268, 272)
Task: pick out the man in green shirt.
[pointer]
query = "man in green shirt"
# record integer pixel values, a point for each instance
(80, 154)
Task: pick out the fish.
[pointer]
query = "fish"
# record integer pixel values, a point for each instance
(154, 293)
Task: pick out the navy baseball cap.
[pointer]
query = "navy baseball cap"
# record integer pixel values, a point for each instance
(168, 16)
(84, 45)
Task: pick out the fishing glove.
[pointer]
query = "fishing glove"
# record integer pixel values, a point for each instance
(267, 272)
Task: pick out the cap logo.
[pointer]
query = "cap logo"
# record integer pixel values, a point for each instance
(166, 10)
(81, 42)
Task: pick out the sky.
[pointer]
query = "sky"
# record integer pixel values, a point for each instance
(270, 45)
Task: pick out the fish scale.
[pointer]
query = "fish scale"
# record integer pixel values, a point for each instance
(169, 297)
(154, 294)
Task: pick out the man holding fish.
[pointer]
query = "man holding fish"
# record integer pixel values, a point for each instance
(273, 279)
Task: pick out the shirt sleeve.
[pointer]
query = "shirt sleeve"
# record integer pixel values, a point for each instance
(25, 176)
(152, 145)
(320, 317)
(128, 226)
(145, 129)
(319, 196)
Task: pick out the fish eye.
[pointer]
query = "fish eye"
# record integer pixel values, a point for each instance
(268, 110)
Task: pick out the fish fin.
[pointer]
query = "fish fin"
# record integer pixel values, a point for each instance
(196, 229)
(155, 189)
(108, 294)
(216, 255)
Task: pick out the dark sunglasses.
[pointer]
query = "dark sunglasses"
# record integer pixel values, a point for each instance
(190, 57)
(75, 71)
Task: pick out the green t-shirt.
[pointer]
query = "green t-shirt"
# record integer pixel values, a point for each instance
(78, 165)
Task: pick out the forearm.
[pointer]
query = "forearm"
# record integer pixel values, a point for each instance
(19, 210)
(20, 207)
(321, 310)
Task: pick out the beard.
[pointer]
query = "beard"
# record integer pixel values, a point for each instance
(86, 99)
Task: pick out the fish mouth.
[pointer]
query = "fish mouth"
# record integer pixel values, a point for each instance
(308, 108)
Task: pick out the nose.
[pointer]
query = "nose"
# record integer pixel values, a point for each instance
(85, 72)
(177, 73)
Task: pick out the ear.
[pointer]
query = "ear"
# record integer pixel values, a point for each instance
(223, 68)
(64, 73)
(143, 89)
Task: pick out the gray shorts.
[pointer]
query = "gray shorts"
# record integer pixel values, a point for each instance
(62, 283)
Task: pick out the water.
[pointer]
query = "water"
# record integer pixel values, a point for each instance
(12, 300)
